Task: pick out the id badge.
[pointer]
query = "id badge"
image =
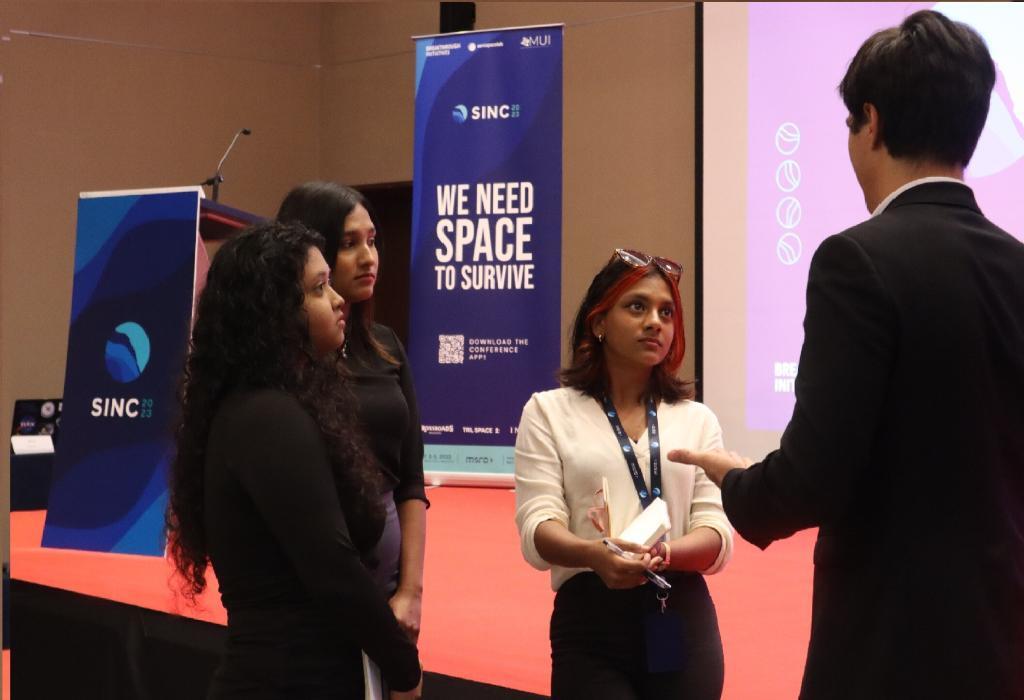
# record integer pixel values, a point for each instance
(665, 647)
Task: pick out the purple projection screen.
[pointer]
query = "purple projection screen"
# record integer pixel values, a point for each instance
(799, 186)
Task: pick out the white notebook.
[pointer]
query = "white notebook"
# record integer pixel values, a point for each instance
(646, 529)
(649, 526)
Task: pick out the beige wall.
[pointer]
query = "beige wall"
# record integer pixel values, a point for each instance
(367, 115)
(154, 98)
(85, 115)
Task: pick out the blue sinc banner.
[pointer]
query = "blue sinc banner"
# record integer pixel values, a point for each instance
(137, 260)
(486, 241)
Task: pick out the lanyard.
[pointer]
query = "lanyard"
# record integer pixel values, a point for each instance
(627, 450)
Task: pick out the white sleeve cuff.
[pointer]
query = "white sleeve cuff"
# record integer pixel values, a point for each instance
(725, 552)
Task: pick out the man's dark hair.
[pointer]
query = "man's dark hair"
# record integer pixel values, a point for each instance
(931, 80)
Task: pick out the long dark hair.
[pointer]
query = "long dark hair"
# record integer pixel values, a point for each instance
(323, 206)
(587, 370)
(251, 332)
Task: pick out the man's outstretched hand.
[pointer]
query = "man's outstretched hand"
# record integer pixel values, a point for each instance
(715, 463)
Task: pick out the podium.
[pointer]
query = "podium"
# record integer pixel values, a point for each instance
(140, 262)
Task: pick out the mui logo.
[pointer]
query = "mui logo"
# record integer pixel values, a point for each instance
(536, 41)
(460, 113)
(127, 352)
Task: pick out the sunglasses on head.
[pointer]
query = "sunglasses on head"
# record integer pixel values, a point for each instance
(634, 258)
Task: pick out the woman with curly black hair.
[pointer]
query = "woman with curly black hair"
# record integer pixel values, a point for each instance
(273, 486)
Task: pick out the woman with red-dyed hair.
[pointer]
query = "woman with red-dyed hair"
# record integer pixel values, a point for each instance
(614, 632)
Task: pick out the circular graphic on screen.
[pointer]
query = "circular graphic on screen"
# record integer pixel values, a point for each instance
(788, 212)
(789, 248)
(787, 138)
(127, 352)
(787, 175)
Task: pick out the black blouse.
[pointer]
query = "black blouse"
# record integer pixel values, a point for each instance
(300, 603)
(389, 415)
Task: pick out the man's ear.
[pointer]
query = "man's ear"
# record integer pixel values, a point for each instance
(873, 123)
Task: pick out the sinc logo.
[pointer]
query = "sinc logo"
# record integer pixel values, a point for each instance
(536, 41)
(126, 355)
(460, 113)
(127, 352)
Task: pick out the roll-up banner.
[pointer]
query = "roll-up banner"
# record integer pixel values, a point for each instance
(486, 242)
(139, 263)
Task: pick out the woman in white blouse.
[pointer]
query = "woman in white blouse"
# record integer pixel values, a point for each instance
(614, 634)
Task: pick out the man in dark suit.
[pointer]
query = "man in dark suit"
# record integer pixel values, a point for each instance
(906, 445)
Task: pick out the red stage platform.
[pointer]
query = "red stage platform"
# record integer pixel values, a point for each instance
(485, 614)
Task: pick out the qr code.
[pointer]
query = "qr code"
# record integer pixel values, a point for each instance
(451, 349)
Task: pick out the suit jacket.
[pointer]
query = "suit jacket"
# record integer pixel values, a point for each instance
(906, 449)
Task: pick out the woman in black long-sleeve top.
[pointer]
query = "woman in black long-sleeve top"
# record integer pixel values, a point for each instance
(273, 485)
(381, 381)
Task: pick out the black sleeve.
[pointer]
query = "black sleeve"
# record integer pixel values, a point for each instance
(283, 466)
(410, 476)
(849, 343)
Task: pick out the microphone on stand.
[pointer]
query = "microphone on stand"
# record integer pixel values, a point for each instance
(216, 178)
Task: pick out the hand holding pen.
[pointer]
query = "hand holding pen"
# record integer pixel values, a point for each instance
(654, 578)
(615, 571)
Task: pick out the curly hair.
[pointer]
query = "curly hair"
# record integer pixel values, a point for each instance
(587, 371)
(251, 332)
(323, 207)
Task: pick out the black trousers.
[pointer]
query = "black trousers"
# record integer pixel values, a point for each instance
(599, 647)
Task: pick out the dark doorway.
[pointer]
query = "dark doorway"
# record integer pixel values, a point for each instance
(393, 204)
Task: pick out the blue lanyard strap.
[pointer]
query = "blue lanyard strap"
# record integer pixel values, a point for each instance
(646, 498)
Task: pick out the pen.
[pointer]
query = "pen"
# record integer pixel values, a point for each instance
(654, 578)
